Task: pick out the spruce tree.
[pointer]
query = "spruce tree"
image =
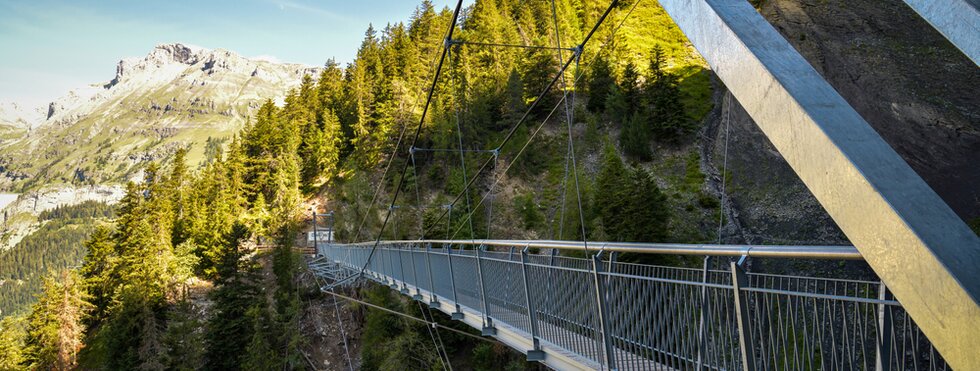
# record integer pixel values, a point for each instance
(55, 326)
(662, 99)
(600, 84)
(228, 330)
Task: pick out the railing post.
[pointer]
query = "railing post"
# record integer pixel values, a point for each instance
(396, 257)
(488, 328)
(401, 270)
(315, 237)
(415, 275)
(883, 343)
(702, 341)
(739, 281)
(457, 314)
(551, 302)
(508, 290)
(433, 300)
(535, 354)
(600, 291)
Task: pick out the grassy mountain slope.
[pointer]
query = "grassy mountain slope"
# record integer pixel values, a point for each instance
(174, 97)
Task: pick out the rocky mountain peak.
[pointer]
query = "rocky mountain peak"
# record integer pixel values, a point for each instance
(161, 56)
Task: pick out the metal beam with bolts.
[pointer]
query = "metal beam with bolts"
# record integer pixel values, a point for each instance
(922, 251)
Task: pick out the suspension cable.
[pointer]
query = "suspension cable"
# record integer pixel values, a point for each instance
(577, 79)
(518, 155)
(418, 130)
(439, 351)
(724, 168)
(384, 174)
(570, 120)
(507, 138)
(343, 334)
(411, 317)
(459, 136)
(453, 150)
(440, 344)
(534, 104)
(502, 45)
(418, 194)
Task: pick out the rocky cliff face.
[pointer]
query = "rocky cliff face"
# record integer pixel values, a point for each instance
(177, 95)
(901, 75)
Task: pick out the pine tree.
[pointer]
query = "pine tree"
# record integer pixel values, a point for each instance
(99, 270)
(12, 336)
(259, 354)
(55, 326)
(631, 207)
(182, 338)
(228, 330)
(662, 99)
(600, 84)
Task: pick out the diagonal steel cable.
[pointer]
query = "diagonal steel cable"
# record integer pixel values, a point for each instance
(550, 85)
(418, 130)
(534, 104)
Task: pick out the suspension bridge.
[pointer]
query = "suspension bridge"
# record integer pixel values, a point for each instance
(598, 312)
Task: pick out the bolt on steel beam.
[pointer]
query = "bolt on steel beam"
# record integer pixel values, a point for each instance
(921, 249)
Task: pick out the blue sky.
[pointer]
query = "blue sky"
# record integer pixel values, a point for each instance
(48, 47)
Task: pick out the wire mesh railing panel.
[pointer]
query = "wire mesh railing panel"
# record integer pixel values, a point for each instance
(654, 321)
(661, 317)
(467, 279)
(505, 293)
(421, 269)
(792, 331)
(565, 308)
(440, 272)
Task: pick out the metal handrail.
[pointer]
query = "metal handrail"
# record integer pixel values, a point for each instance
(622, 315)
(754, 251)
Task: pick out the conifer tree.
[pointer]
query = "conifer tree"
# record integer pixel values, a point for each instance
(55, 326)
(228, 330)
(600, 84)
(11, 343)
(662, 99)
(259, 354)
(182, 339)
(631, 207)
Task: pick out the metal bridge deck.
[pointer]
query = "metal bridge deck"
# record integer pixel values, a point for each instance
(572, 313)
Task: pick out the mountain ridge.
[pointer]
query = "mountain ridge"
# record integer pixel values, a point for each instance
(177, 95)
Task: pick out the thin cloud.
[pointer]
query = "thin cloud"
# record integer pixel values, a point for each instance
(292, 5)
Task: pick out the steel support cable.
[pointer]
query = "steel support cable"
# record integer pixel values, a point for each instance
(453, 150)
(384, 174)
(507, 138)
(569, 120)
(418, 131)
(534, 104)
(418, 195)
(377, 189)
(411, 317)
(340, 324)
(519, 153)
(503, 45)
(724, 168)
(343, 334)
(441, 346)
(459, 136)
(577, 79)
(443, 360)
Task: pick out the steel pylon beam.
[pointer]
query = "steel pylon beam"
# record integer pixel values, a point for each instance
(926, 255)
(958, 20)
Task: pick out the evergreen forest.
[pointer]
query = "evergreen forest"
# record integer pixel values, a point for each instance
(177, 275)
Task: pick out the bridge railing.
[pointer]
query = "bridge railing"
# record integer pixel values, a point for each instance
(622, 315)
